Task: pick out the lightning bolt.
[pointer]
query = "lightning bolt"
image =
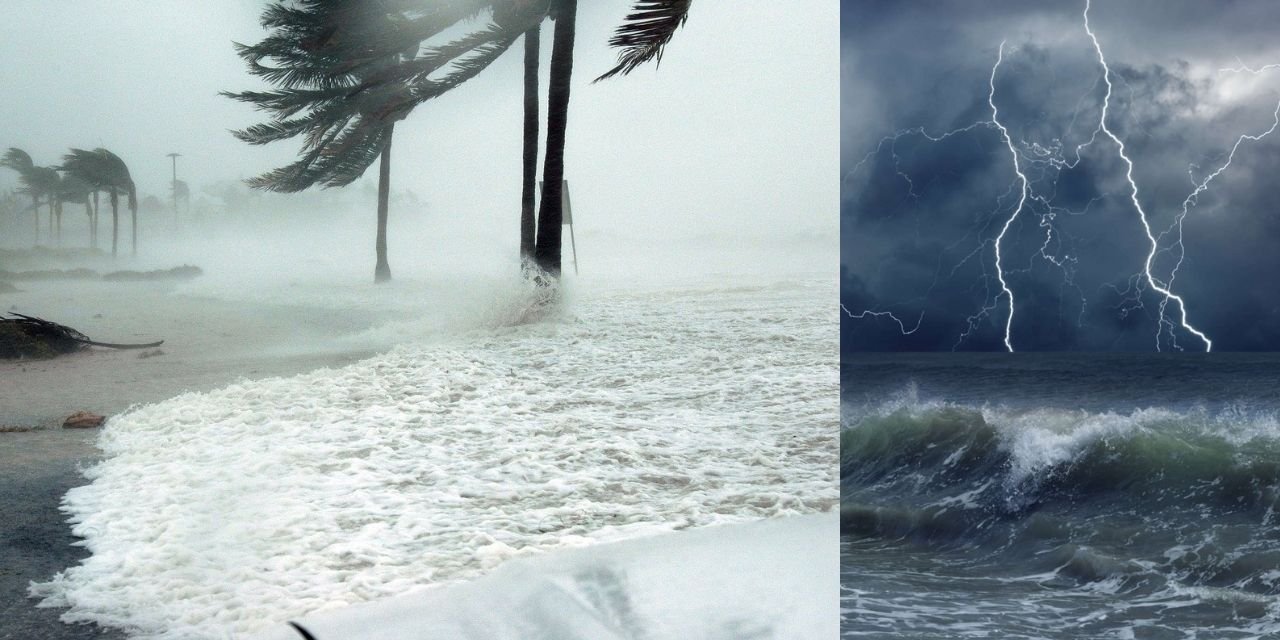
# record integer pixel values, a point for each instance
(1022, 198)
(902, 326)
(1154, 283)
(1242, 67)
(1045, 157)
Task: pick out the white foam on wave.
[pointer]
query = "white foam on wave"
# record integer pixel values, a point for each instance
(635, 413)
(1040, 439)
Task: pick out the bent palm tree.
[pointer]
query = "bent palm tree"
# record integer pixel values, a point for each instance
(348, 71)
(123, 182)
(75, 189)
(340, 144)
(20, 161)
(91, 169)
(104, 170)
(37, 182)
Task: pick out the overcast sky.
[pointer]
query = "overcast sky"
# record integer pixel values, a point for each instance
(921, 212)
(733, 136)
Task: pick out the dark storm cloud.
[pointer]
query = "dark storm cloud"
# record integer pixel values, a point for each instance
(921, 210)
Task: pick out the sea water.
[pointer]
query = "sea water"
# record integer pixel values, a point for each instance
(638, 409)
(1060, 496)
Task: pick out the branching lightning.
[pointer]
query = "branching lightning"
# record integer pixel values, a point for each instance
(1046, 158)
(888, 314)
(1155, 284)
(1022, 199)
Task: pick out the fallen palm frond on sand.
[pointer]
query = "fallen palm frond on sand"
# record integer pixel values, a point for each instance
(29, 337)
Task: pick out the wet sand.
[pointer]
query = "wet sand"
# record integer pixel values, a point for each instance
(36, 468)
(208, 344)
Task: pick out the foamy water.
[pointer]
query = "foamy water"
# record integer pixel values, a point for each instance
(632, 413)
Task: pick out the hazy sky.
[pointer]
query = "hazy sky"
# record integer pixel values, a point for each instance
(734, 135)
(921, 211)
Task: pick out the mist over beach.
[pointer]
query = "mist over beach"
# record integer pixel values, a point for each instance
(371, 383)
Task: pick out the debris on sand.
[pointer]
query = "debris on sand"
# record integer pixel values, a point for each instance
(83, 420)
(28, 337)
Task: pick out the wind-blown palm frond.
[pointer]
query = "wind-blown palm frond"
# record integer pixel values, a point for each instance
(45, 180)
(346, 71)
(645, 33)
(115, 169)
(37, 182)
(17, 159)
(88, 166)
(73, 188)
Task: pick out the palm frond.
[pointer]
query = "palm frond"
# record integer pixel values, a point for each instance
(645, 33)
(17, 159)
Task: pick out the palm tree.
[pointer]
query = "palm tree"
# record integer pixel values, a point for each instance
(20, 161)
(37, 183)
(334, 67)
(73, 188)
(528, 223)
(89, 168)
(348, 70)
(547, 249)
(340, 144)
(105, 171)
(642, 37)
(121, 181)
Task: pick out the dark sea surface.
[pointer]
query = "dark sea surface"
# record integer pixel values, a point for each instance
(1060, 496)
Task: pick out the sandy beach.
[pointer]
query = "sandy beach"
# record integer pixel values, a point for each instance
(208, 343)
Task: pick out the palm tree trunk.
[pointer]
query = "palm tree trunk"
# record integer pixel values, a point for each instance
(115, 221)
(58, 213)
(528, 223)
(133, 223)
(35, 207)
(93, 224)
(88, 212)
(547, 251)
(382, 272)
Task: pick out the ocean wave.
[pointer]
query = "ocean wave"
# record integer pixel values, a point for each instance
(1230, 459)
(1142, 502)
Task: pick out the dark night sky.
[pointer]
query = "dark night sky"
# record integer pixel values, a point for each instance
(920, 216)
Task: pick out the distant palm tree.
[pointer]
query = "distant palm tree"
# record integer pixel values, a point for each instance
(123, 182)
(73, 188)
(37, 183)
(104, 170)
(89, 168)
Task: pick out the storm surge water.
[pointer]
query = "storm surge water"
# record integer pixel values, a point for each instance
(1134, 501)
(487, 434)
